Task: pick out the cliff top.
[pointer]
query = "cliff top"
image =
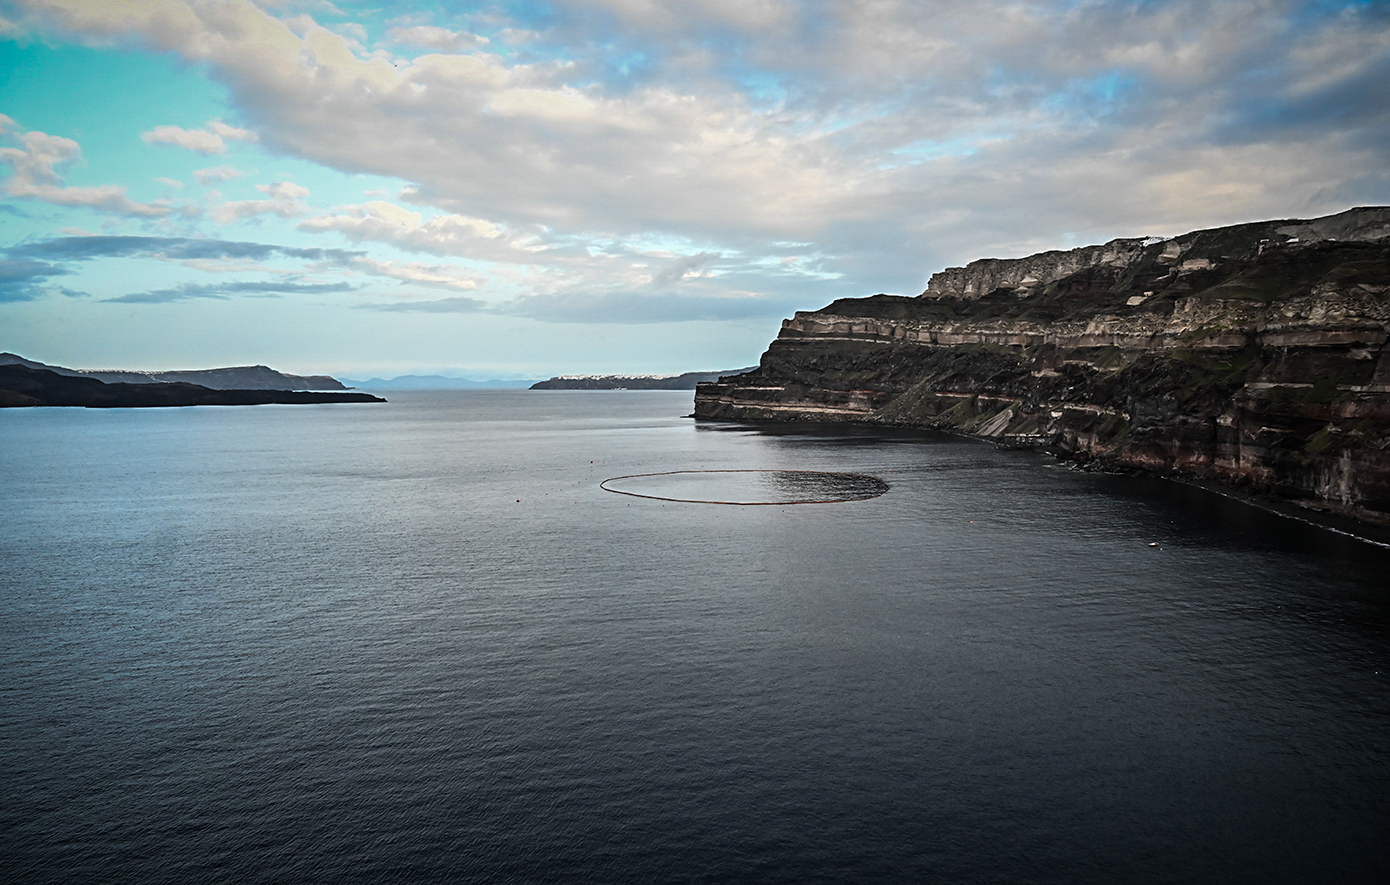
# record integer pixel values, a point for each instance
(1197, 250)
(1261, 263)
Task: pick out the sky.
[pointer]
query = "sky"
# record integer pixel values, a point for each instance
(524, 189)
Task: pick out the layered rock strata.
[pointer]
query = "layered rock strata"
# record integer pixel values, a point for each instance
(1254, 355)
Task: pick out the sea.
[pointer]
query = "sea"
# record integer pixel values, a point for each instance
(422, 641)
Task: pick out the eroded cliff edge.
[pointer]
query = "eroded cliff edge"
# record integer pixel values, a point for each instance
(1254, 355)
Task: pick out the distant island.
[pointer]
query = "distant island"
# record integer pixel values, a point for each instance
(438, 382)
(231, 378)
(686, 381)
(25, 386)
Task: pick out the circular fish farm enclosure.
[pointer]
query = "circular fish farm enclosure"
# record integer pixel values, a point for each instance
(748, 487)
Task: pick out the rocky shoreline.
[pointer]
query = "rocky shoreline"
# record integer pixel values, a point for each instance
(1251, 356)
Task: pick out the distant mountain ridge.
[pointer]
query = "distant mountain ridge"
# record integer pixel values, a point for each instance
(24, 386)
(230, 378)
(685, 381)
(437, 382)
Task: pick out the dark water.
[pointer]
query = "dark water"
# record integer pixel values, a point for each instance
(417, 642)
(749, 487)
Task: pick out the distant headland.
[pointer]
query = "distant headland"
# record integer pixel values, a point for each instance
(26, 383)
(686, 381)
(231, 378)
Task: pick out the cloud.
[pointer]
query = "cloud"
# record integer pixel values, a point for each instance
(222, 291)
(683, 267)
(676, 17)
(524, 255)
(23, 279)
(36, 172)
(199, 141)
(384, 222)
(894, 137)
(635, 307)
(284, 200)
(232, 133)
(29, 261)
(443, 275)
(438, 39)
(189, 139)
(216, 174)
(485, 138)
(174, 248)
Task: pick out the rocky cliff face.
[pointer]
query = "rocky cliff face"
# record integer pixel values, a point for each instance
(1255, 355)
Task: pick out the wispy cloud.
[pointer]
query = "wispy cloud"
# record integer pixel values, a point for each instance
(23, 279)
(36, 172)
(189, 139)
(384, 222)
(210, 141)
(445, 275)
(283, 198)
(222, 291)
(176, 248)
(34, 261)
(216, 175)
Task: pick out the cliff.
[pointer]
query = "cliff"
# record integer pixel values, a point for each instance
(24, 386)
(1254, 355)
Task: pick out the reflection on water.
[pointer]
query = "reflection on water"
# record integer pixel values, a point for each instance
(749, 486)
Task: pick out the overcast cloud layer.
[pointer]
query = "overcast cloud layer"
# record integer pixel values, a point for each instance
(688, 171)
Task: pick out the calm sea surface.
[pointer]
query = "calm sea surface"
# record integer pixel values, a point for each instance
(417, 642)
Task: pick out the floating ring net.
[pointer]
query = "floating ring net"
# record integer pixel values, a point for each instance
(748, 486)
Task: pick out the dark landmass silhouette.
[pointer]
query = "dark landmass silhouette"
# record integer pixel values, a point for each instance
(229, 378)
(25, 386)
